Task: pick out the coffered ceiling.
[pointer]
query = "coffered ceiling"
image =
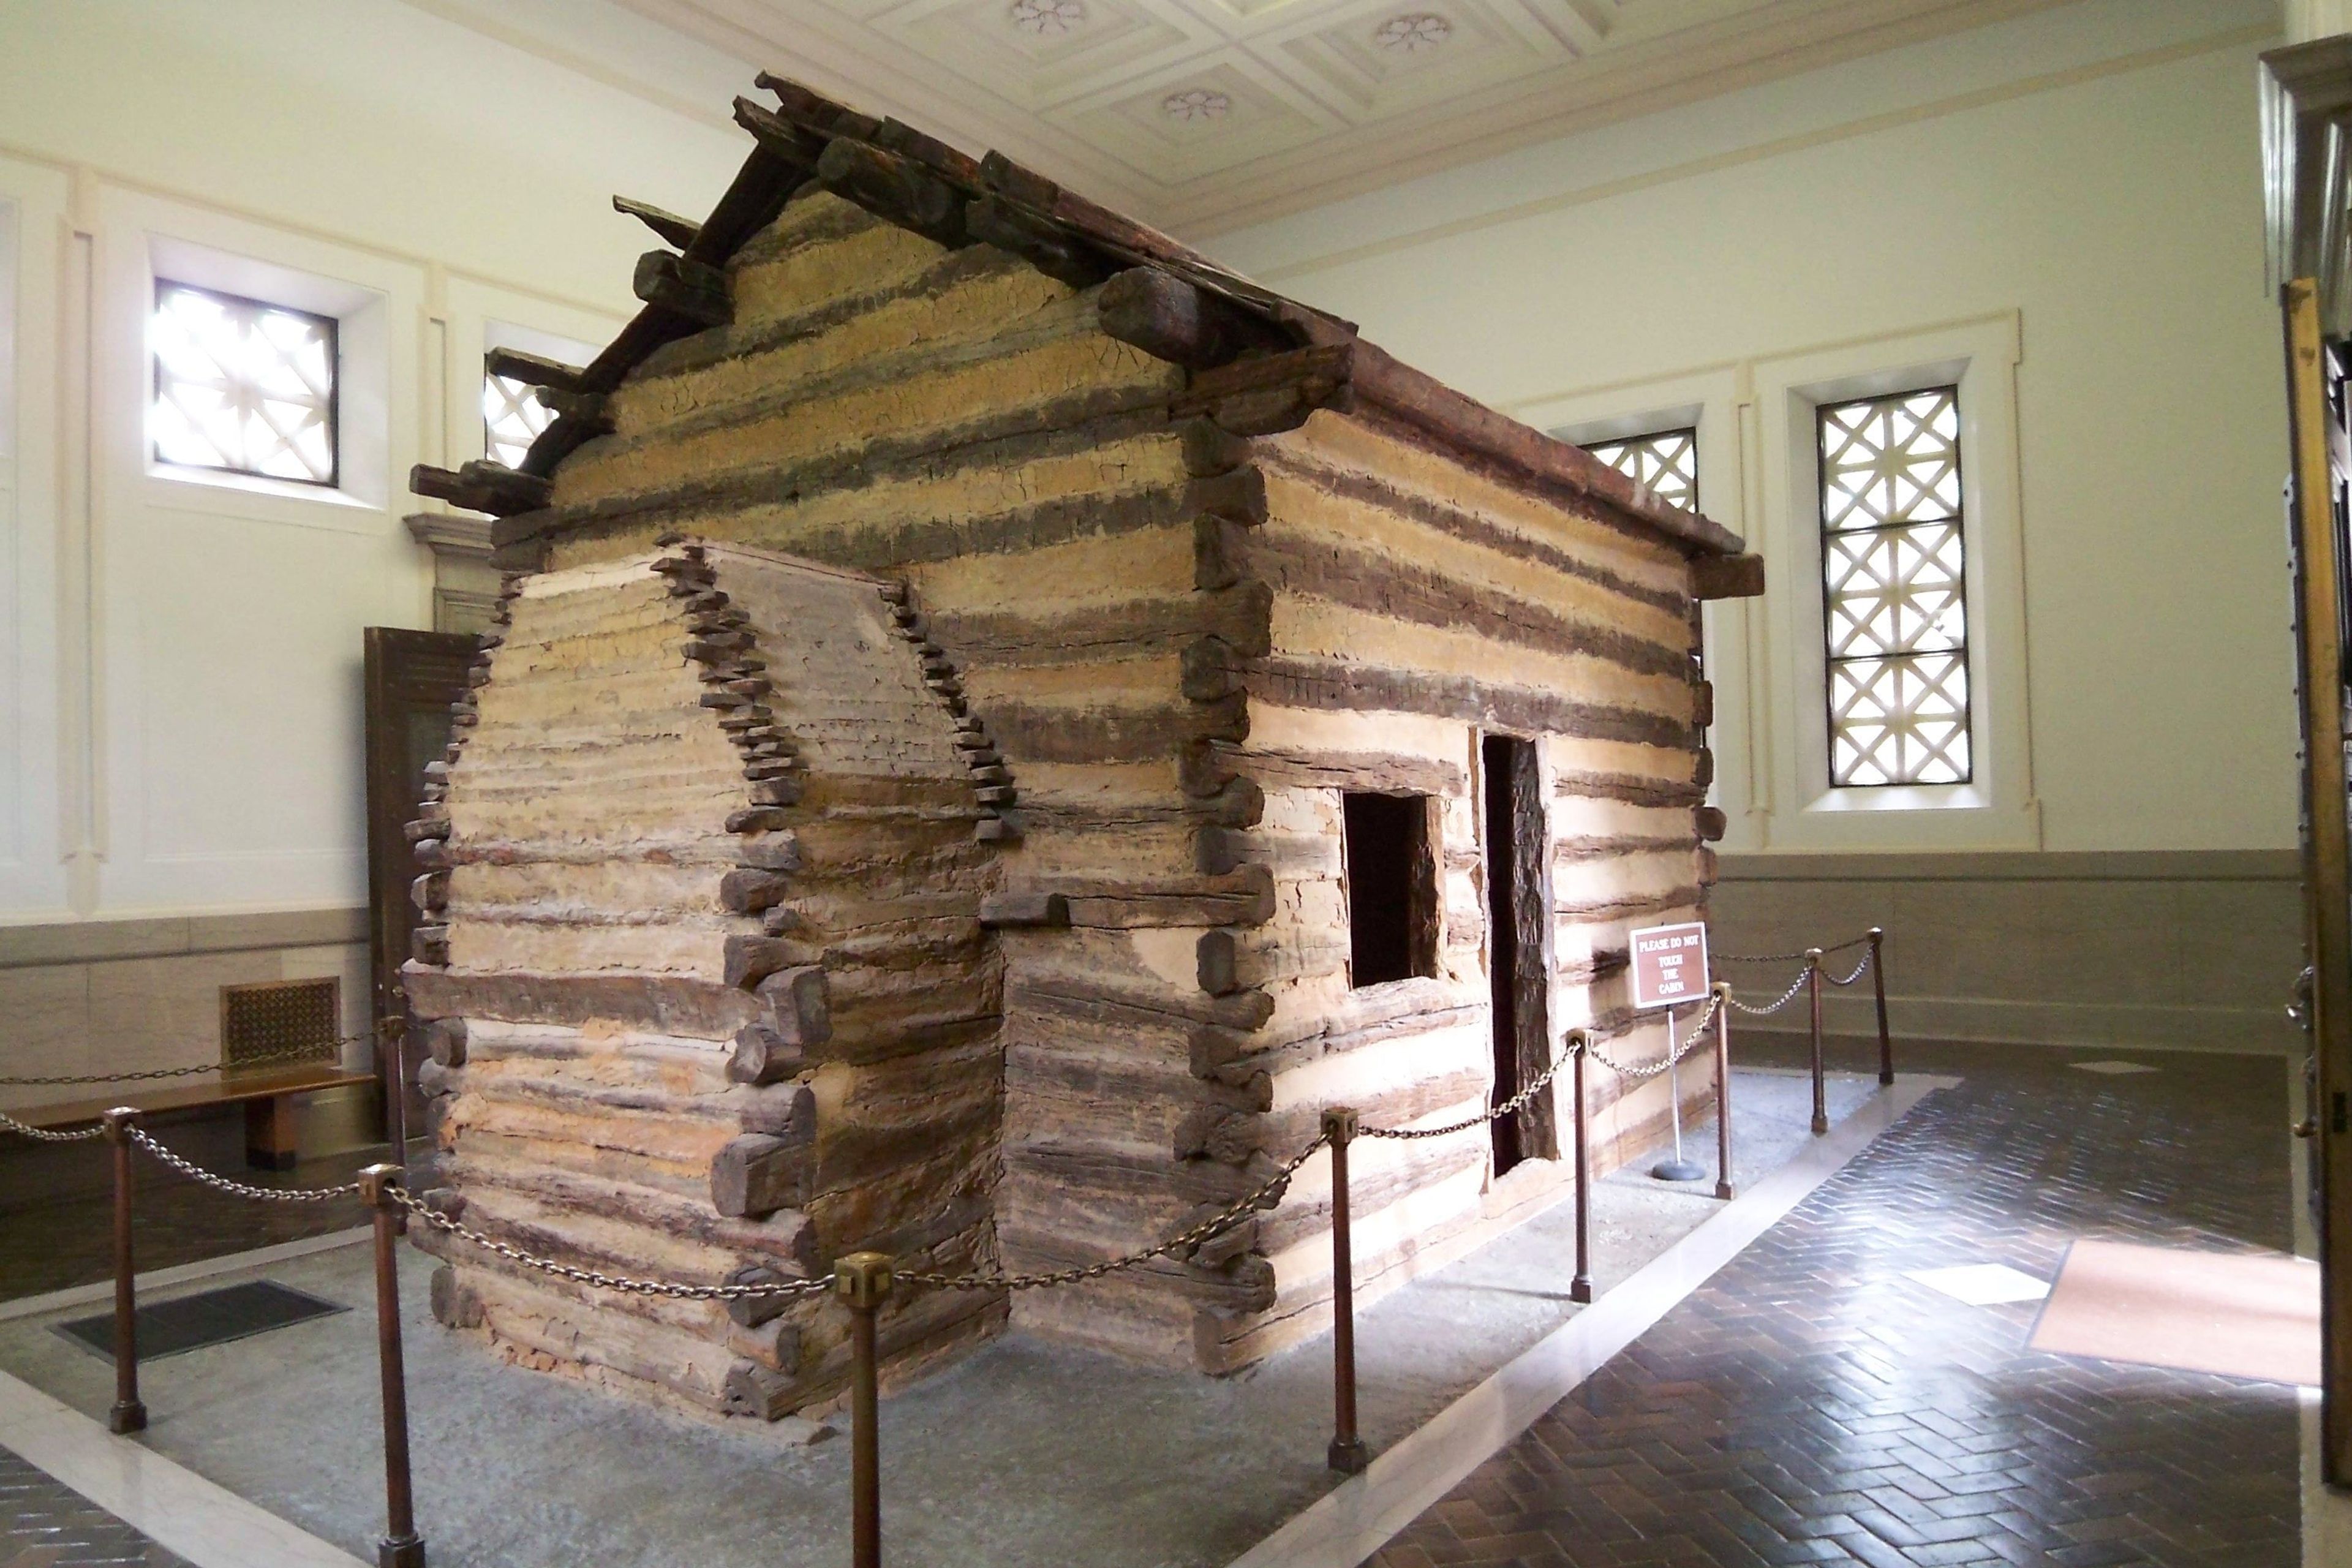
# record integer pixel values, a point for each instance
(1205, 114)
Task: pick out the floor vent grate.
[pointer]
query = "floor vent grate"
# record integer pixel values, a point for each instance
(208, 1318)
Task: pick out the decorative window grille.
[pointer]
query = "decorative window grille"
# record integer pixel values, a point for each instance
(512, 417)
(1664, 461)
(243, 387)
(1895, 604)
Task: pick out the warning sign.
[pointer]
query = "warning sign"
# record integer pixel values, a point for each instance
(1669, 966)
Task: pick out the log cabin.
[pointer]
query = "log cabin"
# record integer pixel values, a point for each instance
(995, 722)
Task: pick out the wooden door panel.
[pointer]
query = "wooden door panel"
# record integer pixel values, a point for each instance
(411, 679)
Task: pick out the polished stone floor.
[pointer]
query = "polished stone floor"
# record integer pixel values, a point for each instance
(1812, 1403)
(45, 1525)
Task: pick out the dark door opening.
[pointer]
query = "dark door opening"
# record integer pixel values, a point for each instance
(411, 679)
(1518, 931)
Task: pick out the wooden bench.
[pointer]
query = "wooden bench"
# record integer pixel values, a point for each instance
(267, 1095)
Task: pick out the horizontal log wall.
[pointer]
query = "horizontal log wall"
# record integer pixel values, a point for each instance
(954, 420)
(1417, 605)
(1183, 640)
(712, 993)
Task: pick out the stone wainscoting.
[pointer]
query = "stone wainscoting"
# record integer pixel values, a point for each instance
(2183, 950)
(126, 995)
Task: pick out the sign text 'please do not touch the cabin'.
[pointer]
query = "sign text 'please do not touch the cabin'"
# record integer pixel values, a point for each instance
(1669, 966)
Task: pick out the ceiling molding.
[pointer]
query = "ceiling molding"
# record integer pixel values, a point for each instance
(1206, 115)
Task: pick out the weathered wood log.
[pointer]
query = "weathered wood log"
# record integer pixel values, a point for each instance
(669, 1005)
(762, 1056)
(750, 1311)
(895, 189)
(1711, 823)
(454, 1305)
(797, 1005)
(481, 486)
(446, 1042)
(1167, 317)
(694, 291)
(960, 168)
(674, 231)
(532, 370)
(751, 959)
(1024, 906)
(1043, 244)
(758, 1173)
(1265, 395)
(748, 892)
(781, 140)
(803, 105)
(785, 1240)
(1726, 576)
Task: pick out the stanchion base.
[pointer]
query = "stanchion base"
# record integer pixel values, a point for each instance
(1581, 1288)
(128, 1416)
(1820, 1126)
(1723, 1190)
(1886, 1081)
(1676, 1171)
(408, 1552)
(1348, 1456)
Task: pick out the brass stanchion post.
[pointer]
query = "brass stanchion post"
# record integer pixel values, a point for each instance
(128, 1413)
(1813, 992)
(1348, 1454)
(1878, 984)
(862, 1281)
(1581, 1287)
(393, 1041)
(400, 1546)
(1723, 1089)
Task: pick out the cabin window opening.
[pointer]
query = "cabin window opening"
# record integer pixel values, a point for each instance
(1894, 592)
(1666, 461)
(513, 414)
(1392, 887)
(243, 387)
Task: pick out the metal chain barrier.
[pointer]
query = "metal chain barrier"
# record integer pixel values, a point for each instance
(1510, 1107)
(42, 1134)
(1676, 1051)
(1862, 940)
(1268, 1192)
(1859, 971)
(602, 1281)
(1786, 997)
(294, 1053)
(195, 1172)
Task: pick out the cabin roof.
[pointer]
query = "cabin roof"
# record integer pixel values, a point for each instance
(1258, 342)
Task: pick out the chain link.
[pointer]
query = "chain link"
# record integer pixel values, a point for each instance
(1785, 998)
(292, 1053)
(41, 1134)
(1789, 957)
(602, 1281)
(196, 1172)
(1676, 1051)
(1859, 971)
(1265, 1195)
(1510, 1107)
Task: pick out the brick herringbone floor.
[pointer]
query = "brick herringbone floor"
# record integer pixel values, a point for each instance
(1812, 1404)
(45, 1525)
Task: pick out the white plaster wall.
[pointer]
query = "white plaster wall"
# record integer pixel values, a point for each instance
(2091, 172)
(179, 667)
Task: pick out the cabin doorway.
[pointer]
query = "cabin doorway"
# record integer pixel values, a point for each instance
(411, 679)
(1519, 930)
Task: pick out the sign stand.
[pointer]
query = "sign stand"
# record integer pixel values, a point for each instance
(1676, 1168)
(1669, 967)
